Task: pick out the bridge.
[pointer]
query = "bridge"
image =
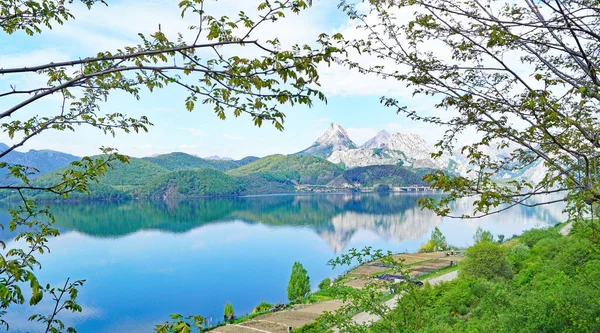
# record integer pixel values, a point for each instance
(413, 188)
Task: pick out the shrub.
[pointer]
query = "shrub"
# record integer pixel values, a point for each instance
(325, 284)
(531, 237)
(228, 313)
(262, 307)
(486, 260)
(427, 247)
(518, 254)
(299, 285)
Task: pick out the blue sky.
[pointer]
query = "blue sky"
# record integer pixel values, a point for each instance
(353, 100)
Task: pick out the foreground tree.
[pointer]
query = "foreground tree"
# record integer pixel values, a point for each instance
(299, 284)
(195, 62)
(524, 76)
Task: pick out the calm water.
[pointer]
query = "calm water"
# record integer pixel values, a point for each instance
(145, 260)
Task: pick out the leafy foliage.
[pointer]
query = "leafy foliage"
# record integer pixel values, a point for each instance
(228, 313)
(486, 260)
(181, 324)
(262, 307)
(257, 86)
(552, 290)
(437, 242)
(299, 284)
(325, 284)
(524, 76)
(533, 236)
(482, 236)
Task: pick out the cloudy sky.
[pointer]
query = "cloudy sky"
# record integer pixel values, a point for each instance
(353, 100)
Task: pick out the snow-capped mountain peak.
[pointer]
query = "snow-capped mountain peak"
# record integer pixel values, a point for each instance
(379, 141)
(335, 138)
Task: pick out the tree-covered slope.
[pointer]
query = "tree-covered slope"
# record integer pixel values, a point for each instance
(182, 161)
(192, 183)
(135, 173)
(298, 168)
(392, 175)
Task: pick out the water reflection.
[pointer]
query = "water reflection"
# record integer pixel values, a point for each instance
(144, 260)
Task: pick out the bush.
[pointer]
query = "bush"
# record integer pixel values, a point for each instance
(531, 237)
(262, 307)
(299, 285)
(228, 313)
(486, 260)
(325, 284)
(518, 254)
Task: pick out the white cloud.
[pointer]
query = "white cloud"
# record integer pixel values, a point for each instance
(193, 131)
(186, 147)
(234, 137)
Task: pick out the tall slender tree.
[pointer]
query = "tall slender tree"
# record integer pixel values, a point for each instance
(299, 284)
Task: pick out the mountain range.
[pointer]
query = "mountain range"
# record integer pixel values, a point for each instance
(332, 163)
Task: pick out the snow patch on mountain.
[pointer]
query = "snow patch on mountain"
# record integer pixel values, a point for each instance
(379, 141)
(366, 157)
(334, 139)
(392, 149)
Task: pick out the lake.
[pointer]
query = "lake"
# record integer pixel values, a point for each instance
(144, 260)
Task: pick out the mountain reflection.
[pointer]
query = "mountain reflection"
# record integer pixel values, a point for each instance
(335, 218)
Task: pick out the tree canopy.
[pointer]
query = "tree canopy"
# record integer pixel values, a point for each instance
(299, 284)
(257, 80)
(523, 76)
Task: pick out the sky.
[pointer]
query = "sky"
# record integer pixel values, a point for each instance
(353, 99)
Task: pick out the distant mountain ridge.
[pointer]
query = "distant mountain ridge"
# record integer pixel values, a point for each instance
(332, 163)
(42, 160)
(408, 150)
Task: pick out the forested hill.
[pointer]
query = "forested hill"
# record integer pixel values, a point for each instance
(179, 175)
(183, 161)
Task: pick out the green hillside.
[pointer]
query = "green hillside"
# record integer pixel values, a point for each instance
(392, 175)
(192, 183)
(135, 173)
(183, 161)
(154, 177)
(302, 169)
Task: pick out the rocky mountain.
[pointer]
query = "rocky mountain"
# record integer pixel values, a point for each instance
(379, 141)
(334, 139)
(409, 150)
